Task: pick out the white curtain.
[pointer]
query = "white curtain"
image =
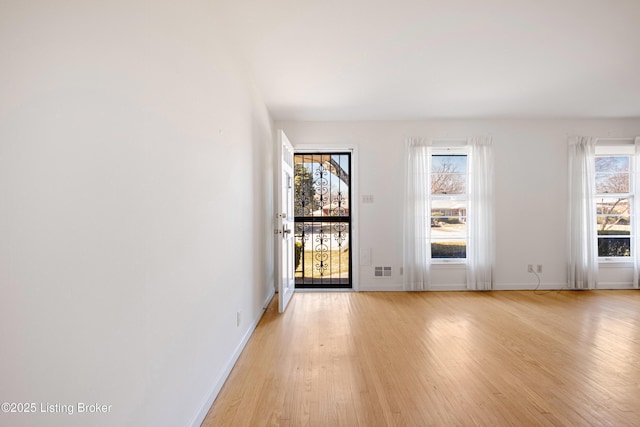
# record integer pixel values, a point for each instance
(480, 217)
(583, 244)
(636, 191)
(416, 247)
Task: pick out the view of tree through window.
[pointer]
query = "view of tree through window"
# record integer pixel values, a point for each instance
(448, 206)
(613, 205)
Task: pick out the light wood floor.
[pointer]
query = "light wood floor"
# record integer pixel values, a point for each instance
(440, 359)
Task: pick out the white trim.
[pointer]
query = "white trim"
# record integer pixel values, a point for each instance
(198, 419)
(615, 141)
(530, 286)
(614, 262)
(381, 287)
(448, 263)
(448, 287)
(615, 149)
(449, 149)
(614, 285)
(354, 208)
(449, 142)
(500, 287)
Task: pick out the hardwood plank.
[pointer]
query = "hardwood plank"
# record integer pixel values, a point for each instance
(440, 358)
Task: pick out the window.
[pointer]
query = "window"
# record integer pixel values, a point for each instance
(614, 200)
(448, 218)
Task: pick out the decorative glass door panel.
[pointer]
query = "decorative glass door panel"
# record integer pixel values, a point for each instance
(322, 199)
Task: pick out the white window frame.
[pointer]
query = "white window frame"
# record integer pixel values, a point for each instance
(606, 150)
(448, 151)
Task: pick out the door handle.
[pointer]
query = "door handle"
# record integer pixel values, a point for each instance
(285, 230)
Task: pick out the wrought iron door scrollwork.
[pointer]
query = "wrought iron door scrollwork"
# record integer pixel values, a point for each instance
(322, 223)
(321, 184)
(337, 205)
(321, 252)
(340, 230)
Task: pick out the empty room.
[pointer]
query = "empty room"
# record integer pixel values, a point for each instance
(302, 213)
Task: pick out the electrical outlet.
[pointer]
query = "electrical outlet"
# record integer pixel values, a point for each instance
(539, 269)
(530, 268)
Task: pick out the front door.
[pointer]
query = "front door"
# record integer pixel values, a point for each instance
(284, 223)
(322, 219)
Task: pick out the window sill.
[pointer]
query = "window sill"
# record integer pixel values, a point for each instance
(614, 262)
(442, 264)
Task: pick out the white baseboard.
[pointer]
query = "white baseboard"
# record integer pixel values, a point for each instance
(394, 287)
(206, 405)
(447, 287)
(615, 285)
(528, 286)
(557, 286)
(380, 287)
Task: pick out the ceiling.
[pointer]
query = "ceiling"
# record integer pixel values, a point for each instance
(420, 59)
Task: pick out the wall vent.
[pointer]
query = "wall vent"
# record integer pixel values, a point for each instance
(382, 272)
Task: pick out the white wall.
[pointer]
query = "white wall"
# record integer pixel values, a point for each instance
(531, 192)
(135, 210)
